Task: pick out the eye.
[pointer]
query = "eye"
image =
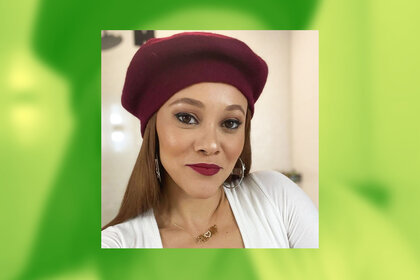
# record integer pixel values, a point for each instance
(231, 124)
(186, 118)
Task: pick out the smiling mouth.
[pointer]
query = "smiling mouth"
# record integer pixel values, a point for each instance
(205, 169)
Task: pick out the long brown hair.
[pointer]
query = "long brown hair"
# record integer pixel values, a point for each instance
(143, 190)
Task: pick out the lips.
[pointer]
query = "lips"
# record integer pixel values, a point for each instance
(205, 169)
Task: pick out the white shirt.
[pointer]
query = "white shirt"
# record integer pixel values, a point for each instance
(271, 212)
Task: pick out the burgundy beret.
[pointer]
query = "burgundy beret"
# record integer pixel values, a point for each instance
(164, 66)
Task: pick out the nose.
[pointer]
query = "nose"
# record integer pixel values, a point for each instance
(207, 141)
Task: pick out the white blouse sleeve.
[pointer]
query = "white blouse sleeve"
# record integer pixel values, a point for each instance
(299, 214)
(110, 238)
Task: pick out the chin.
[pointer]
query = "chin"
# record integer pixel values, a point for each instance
(203, 191)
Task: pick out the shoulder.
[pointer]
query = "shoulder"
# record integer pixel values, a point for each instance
(280, 199)
(120, 235)
(271, 179)
(299, 214)
(134, 233)
(273, 182)
(277, 188)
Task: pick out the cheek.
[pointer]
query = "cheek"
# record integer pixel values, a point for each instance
(171, 143)
(234, 146)
(169, 140)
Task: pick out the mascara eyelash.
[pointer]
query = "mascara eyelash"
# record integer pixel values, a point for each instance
(181, 114)
(237, 122)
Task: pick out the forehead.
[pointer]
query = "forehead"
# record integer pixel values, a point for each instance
(212, 94)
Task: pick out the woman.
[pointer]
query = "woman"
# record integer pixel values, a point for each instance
(194, 94)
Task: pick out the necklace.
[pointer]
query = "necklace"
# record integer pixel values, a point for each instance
(204, 237)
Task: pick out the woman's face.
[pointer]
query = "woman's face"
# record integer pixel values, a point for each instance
(201, 132)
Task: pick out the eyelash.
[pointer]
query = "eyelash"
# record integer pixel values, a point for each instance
(180, 117)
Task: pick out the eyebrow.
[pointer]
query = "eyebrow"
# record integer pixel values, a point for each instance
(188, 101)
(201, 105)
(235, 107)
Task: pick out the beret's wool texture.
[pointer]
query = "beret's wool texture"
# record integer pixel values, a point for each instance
(164, 66)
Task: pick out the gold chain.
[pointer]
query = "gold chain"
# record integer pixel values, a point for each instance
(204, 237)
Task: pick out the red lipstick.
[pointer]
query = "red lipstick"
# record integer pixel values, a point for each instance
(205, 169)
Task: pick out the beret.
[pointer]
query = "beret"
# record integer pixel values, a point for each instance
(163, 66)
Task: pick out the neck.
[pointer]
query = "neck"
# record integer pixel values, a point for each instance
(195, 214)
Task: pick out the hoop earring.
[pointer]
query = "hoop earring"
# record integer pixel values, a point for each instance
(242, 169)
(157, 170)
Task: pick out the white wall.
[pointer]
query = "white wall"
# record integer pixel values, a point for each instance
(284, 131)
(304, 109)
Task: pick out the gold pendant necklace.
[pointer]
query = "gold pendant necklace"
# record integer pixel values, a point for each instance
(206, 236)
(202, 237)
(211, 231)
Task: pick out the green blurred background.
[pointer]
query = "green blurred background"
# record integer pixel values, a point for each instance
(50, 140)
